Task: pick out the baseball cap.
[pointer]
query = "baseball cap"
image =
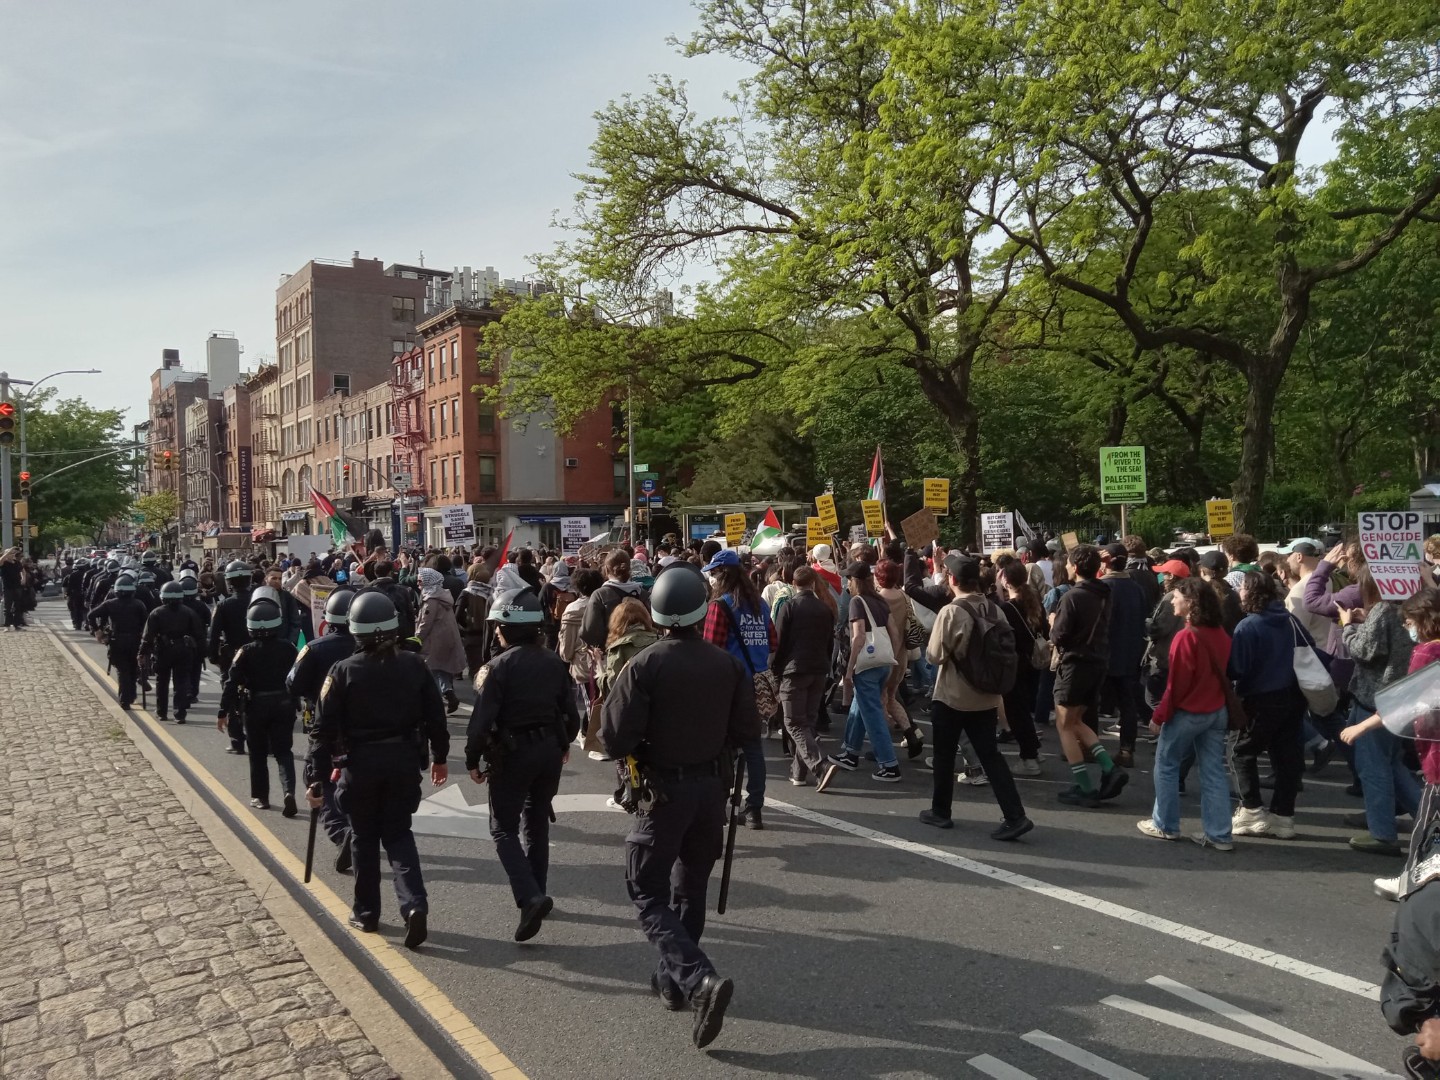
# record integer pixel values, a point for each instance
(1175, 568)
(955, 562)
(858, 569)
(1214, 560)
(723, 557)
(1304, 545)
(1117, 552)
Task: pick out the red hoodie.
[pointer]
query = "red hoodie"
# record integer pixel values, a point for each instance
(1198, 656)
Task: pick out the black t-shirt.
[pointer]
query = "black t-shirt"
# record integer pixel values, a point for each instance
(879, 610)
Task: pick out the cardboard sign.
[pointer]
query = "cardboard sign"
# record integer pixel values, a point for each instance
(1220, 518)
(459, 524)
(1393, 543)
(937, 495)
(319, 597)
(734, 528)
(825, 507)
(997, 531)
(815, 532)
(1122, 474)
(920, 528)
(873, 511)
(1069, 541)
(574, 532)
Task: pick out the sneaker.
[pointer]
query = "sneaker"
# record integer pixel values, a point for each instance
(972, 777)
(887, 774)
(1144, 734)
(848, 762)
(929, 817)
(596, 755)
(1029, 766)
(795, 781)
(914, 743)
(1373, 846)
(1013, 829)
(259, 804)
(1282, 828)
(1149, 828)
(1246, 822)
(1112, 783)
(1388, 888)
(930, 762)
(1073, 796)
(753, 819)
(1111, 730)
(1211, 842)
(824, 781)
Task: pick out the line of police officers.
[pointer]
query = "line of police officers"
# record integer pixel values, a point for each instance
(679, 709)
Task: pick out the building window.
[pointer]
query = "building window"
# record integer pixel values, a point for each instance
(444, 478)
(622, 479)
(455, 472)
(431, 430)
(402, 308)
(430, 360)
(397, 346)
(455, 359)
(487, 475)
(434, 486)
(485, 414)
(455, 416)
(341, 384)
(442, 418)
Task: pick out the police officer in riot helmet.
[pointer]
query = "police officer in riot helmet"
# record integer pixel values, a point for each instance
(145, 590)
(378, 710)
(256, 687)
(305, 680)
(98, 591)
(173, 637)
(680, 707)
(190, 588)
(125, 616)
(75, 591)
(519, 738)
(228, 633)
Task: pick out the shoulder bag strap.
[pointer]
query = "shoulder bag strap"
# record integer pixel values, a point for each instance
(1023, 622)
(735, 626)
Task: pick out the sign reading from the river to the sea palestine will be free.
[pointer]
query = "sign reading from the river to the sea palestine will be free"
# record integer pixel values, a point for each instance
(1122, 474)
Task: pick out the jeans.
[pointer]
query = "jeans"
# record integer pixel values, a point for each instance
(1389, 785)
(444, 682)
(867, 717)
(1205, 733)
(754, 751)
(948, 724)
(922, 675)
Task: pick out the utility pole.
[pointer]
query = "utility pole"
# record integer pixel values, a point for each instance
(630, 446)
(7, 533)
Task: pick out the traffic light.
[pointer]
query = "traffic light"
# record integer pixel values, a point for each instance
(345, 471)
(167, 461)
(24, 485)
(7, 423)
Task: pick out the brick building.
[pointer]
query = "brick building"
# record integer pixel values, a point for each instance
(355, 430)
(204, 505)
(172, 391)
(234, 455)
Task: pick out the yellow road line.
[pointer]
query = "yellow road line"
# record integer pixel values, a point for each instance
(426, 995)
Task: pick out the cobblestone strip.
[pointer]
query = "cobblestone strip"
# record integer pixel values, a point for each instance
(129, 948)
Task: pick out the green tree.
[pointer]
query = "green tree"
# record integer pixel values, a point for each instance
(68, 498)
(158, 511)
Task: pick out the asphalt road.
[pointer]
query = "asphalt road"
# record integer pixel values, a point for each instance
(864, 944)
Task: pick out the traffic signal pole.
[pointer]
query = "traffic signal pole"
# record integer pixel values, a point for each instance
(7, 525)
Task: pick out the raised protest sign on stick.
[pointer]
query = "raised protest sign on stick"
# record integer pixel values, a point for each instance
(874, 513)
(1393, 542)
(997, 531)
(734, 528)
(937, 495)
(920, 528)
(825, 508)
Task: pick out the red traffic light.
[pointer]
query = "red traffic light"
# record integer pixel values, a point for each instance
(24, 477)
(7, 409)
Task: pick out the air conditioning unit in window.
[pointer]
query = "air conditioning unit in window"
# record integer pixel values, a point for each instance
(572, 462)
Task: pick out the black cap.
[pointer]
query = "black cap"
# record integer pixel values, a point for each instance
(858, 569)
(1215, 560)
(1116, 552)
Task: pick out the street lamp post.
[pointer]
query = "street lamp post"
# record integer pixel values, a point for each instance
(7, 532)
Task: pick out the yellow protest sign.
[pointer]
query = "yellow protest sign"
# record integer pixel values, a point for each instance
(874, 511)
(825, 507)
(734, 529)
(815, 532)
(1220, 518)
(937, 495)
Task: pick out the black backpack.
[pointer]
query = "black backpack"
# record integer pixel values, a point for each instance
(989, 661)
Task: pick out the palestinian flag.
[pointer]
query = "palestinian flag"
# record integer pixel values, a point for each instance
(339, 528)
(769, 529)
(876, 490)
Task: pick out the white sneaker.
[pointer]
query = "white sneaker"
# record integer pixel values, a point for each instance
(1206, 841)
(1253, 822)
(1029, 767)
(1388, 888)
(973, 777)
(1149, 828)
(1282, 828)
(596, 755)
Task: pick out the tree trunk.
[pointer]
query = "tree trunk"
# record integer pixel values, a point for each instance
(1257, 440)
(961, 420)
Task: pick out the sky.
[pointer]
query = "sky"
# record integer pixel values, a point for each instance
(163, 163)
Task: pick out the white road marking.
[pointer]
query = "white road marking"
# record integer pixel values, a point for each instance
(1076, 1056)
(446, 813)
(998, 1069)
(1265, 957)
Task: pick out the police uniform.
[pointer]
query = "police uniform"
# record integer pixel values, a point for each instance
(75, 594)
(305, 681)
(227, 634)
(680, 707)
(524, 721)
(197, 662)
(172, 638)
(126, 617)
(377, 710)
(256, 684)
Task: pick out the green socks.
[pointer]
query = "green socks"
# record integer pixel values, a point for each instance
(1081, 772)
(1102, 758)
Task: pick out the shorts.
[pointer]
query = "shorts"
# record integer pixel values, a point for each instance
(1078, 682)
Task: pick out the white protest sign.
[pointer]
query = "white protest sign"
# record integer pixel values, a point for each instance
(574, 531)
(1392, 541)
(459, 524)
(997, 531)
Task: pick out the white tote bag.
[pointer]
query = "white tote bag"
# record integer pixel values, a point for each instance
(1315, 682)
(877, 651)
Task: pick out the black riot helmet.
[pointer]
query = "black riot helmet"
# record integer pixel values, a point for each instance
(263, 618)
(189, 583)
(237, 570)
(147, 578)
(124, 585)
(681, 596)
(373, 621)
(172, 592)
(148, 559)
(111, 565)
(337, 608)
(516, 607)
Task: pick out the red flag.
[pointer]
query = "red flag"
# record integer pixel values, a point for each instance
(497, 559)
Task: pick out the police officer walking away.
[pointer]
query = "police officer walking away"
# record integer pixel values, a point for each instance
(126, 616)
(75, 592)
(173, 636)
(524, 721)
(681, 708)
(377, 710)
(256, 685)
(305, 680)
(190, 588)
(228, 633)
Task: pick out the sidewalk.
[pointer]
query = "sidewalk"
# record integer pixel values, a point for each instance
(131, 948)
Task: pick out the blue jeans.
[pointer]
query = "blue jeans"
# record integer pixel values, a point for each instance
(922, 673)
(867, 717)
(754, 751)
(1205, 733)
(1389, 785)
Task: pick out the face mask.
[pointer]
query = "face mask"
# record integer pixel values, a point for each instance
(1414, 634)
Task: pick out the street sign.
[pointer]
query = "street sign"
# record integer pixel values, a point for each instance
(22, 509)
(401, 481)
(1220, 518)
(1122, 475)
(825, 508)
(937, 495)
(642, 468)
(648, 486)
(873, 511)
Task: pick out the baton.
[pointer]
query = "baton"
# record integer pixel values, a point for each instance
(730, 835)
(310, 843)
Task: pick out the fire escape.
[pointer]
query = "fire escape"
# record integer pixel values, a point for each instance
(407, 389)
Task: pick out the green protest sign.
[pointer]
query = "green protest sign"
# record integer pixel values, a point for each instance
(1122, 474)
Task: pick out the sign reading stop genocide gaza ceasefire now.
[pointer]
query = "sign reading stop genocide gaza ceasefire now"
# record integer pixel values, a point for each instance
(1392, 542)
